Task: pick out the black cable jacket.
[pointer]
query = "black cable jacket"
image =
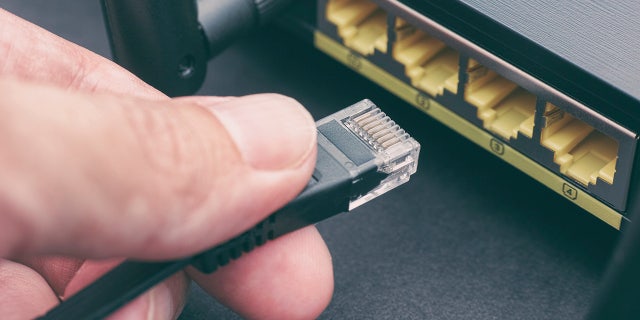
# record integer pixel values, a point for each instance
(114, 290)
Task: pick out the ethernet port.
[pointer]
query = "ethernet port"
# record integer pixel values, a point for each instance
(504, 108)
(583, 153)
(485, 88)
(515, 114)
(429, 63)
(361, 24)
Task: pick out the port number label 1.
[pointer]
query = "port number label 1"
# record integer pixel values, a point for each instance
(496, 146)
(354, 61)
(569, 191)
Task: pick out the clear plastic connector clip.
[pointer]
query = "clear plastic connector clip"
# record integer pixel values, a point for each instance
(392, 151)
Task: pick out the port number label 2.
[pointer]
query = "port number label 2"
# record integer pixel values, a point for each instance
(569, 191)
(423, 101)
(496, 146)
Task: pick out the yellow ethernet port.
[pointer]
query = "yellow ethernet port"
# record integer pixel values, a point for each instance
(429, 63)
(583, 153)
(361, 24)
(504, 108)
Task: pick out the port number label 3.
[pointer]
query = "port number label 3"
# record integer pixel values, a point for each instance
(569, 191)
(354, 61)
(496, 146)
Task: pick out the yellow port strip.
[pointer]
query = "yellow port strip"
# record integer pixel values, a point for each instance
(468, 130)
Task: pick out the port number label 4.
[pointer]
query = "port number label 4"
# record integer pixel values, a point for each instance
(496, 146)
(569, 191)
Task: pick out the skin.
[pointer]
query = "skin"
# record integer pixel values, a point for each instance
(96, 166)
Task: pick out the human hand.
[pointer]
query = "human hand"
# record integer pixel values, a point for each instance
(95, 164)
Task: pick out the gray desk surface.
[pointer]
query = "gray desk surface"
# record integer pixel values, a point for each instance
(468, 238)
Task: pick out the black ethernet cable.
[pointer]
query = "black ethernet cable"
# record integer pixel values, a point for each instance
(167, 43)
(362, 154)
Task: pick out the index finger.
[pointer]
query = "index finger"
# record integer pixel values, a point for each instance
(33, 54)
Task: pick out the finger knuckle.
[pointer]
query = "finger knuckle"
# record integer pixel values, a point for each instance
(175, 151)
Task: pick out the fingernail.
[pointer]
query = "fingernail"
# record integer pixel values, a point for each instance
(271, 131)
(161, 304)
(156, 304)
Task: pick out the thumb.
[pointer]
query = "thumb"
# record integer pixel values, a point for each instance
(102, 176)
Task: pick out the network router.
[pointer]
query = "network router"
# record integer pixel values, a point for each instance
(547, 87)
